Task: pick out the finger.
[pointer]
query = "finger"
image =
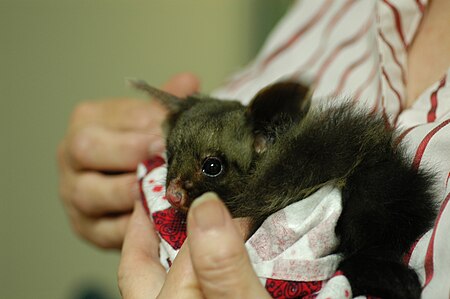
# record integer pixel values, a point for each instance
(131, 114)
(218, 254)
(122, 114)
(182, 84)
(181, 281)
(99, 148)
(104, 232)
(115, 193)
(96, 194)
(140, 274)
(137, 114)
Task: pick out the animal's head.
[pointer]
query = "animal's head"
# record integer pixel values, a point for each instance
(213, 145)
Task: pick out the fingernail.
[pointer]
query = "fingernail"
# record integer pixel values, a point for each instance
(208, 212)
(156, 147)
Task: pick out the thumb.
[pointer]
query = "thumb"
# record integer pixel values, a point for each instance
(182, 84)
(218, 254)
(140, 274)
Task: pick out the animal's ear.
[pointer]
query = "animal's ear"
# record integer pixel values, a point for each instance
(175, 105)
(171, 102)
(275, 104)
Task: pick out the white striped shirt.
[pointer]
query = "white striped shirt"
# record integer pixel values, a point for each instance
(359, 48)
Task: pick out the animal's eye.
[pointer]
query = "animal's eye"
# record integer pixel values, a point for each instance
(212, 167)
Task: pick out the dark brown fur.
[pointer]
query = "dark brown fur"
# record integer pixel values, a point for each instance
(278, 151)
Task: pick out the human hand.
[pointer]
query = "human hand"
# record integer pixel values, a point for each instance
(98, 156)
(213, 262)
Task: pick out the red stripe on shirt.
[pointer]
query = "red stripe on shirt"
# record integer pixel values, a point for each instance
(448, 178)
(402, 136)
(383, 113)
(324, 8)
(398, 22)
(394, 56)
(387, 123)
(366, 83)
(408, 255)
(388, 80)
(330, 26)
(349, 70)
(429, 257)
(338, 50)
(377, 98)
(420, 6)
(431, 117)
(423, 145)
(302, 30)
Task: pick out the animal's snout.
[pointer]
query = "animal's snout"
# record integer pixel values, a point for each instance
(177, 195)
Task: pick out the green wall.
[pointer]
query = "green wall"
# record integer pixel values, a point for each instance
(54, 54)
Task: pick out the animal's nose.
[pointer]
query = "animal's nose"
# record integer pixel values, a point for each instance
(176, 195)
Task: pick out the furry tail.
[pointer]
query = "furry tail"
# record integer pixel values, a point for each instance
(375, 276)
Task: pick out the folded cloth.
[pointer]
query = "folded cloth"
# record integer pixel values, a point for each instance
(292, 252)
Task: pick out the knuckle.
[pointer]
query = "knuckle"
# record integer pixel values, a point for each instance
(97, 240)
(149, 116)
(80, 145)
(109, 237)
(87, 233)
(85, 228)
(137, 143)
(77, 227)
(78, 196)
(113, 241)
(83, 110)
(141, 118)
(104, 243)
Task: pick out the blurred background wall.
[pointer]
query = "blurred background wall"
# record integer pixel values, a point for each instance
(54, 54)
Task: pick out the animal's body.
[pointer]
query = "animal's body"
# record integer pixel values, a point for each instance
(277, 151)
